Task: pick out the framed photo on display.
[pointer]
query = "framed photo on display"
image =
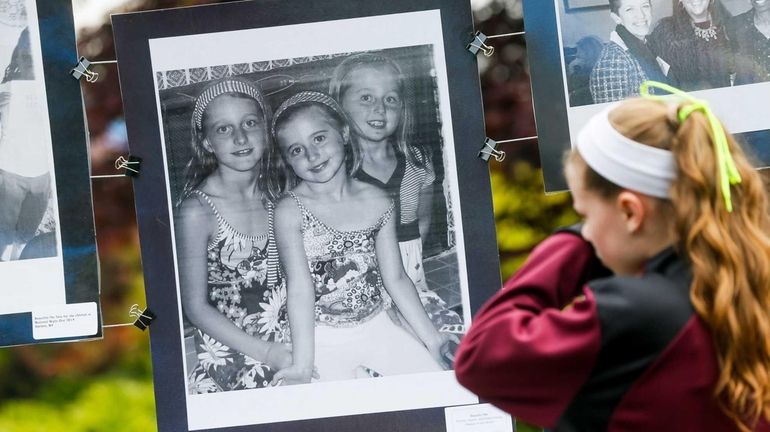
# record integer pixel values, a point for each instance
(717, 64)
(48, 263)
(289, 99)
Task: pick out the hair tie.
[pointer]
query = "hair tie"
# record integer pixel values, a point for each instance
(728, 172)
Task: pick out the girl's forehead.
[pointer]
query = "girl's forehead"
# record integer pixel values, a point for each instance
(377, 70)
(311, 114)
(233, 101)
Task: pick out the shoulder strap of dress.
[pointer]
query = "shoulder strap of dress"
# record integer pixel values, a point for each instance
(206, 198)
(222, 226)
(387, 215)
(296, 199)
(273, 262)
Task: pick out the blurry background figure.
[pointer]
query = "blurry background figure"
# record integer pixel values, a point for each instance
(25, 181)
(626, 60)
(750, 37)
(694, 42)
(587, 52)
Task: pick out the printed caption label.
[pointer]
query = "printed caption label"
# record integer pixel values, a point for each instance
(78, 319)
(477, 418)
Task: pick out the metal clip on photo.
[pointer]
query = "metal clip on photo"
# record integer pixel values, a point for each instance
(81, 70)
(132, 165)
(143, 317)
(478, 43)
(490, 150)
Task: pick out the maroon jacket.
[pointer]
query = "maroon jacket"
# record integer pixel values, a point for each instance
(563, 349)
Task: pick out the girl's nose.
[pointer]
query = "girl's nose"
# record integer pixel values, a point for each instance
(313, 153)
(379, 106)
(240, 136)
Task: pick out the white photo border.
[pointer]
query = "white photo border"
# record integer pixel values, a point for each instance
(412, 391)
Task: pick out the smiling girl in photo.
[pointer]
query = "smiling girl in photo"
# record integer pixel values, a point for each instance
(626, 60)
(694, 42)
(371, 90)
(228, 266)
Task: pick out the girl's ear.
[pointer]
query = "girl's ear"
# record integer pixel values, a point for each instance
(633, 210)
(206, 145)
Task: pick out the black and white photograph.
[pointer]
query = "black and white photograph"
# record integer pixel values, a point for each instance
(383, 102)
(316, 221)
(717, 49)
(45, 273)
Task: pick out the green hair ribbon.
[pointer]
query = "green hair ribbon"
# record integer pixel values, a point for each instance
(728, 172)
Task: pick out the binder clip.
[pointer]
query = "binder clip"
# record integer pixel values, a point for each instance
(478, 43)
(81, 70)
(143, 318)
(131, 165)
(490, 150)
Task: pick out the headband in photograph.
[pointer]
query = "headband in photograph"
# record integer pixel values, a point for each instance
(308, 97)
(623, 161)
(229, 85)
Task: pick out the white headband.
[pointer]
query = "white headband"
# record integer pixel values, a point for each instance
(625, 162)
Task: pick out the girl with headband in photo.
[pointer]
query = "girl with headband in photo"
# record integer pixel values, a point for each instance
(339, 250)
(228, 264)
(677, 338)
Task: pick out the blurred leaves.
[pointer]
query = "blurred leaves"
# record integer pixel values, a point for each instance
(109, 403)
(524, 214)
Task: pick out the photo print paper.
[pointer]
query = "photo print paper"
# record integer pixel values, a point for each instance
(317, 220)
(48, 263)
(711, 49)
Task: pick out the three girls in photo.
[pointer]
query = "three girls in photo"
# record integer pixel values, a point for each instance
(294, 266)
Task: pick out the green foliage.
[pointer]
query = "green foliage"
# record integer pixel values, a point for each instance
(524, 427)
(108, 404)
(524, 214)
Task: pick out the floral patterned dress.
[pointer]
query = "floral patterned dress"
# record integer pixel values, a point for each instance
(243, 285)
(344, 269)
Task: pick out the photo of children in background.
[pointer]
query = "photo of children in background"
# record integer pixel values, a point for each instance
(227, 254)
(27, 216)
(693, 44)
(345, 271)
(338, 246)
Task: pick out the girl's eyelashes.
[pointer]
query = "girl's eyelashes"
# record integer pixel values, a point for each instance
(223, 130)
(294, 151)
(226, 129)
(319, 139)
(391, 99)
